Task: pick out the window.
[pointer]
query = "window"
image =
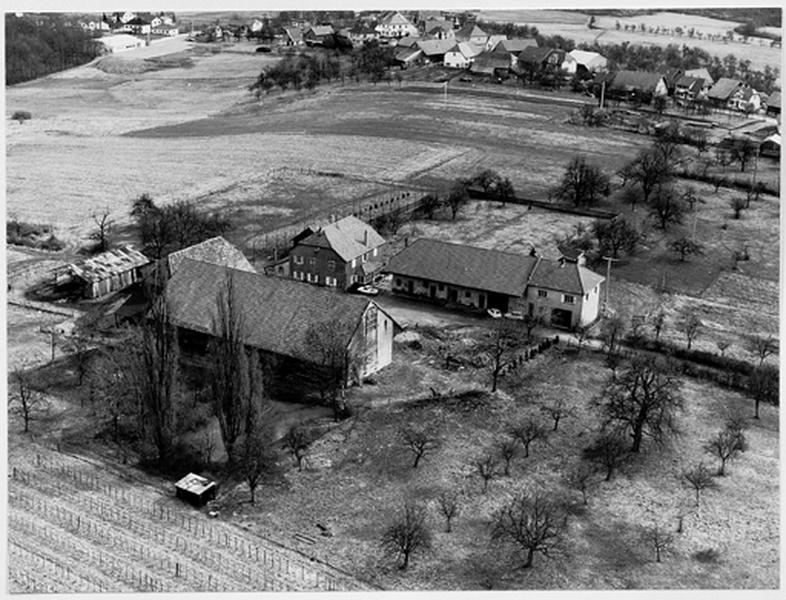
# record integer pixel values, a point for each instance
(542, 294)
(312, 261)
(354, 263)
(298, 260)
(364, 258)
(441, 286)
(331, 265)
(568, 299)
(330, 281)
(467, 294)
(398, 282)
(374, 253)
(298, 275)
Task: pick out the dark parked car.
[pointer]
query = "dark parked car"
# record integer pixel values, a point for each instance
(263, 49)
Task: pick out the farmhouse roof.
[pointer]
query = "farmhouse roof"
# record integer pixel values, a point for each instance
(486, 63)
(294, 34)
(276, 312)
(465, 266)
(515, 45)
(408, 41)
(320, 30)
(534, 54)
(436, 47)
(693, 84)
(638, 80)
(395, 18)
(469, 31)
(407, 54)
(774, 99)
(109, 263)
(724, 88)
(438, 24)
(468, 49)
(703, 73)
(591, 60)
(195, 484)
(349, 238)
(564, 276)
(137, 21)
(216, 250)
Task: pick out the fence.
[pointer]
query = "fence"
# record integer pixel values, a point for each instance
(585, 211)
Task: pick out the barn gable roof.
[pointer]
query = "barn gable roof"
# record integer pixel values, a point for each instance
(215, 250)
(564, 276)
(646, 81)
(465, 266)
(436, 47)
(724, 88)
(276, 312)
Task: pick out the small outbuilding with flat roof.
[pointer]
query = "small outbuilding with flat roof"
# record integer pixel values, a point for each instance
(195, 489)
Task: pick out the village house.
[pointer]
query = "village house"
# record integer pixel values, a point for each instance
(462, 56)
(539, 62)
(138, 26)
(493, 40)
(512, 48)
(473, 34)
(583, 63)
(406, 57)
(635, 86)
(396, 25)
(439, 29)
(701, 73)
(277, 315)
(490, 64)
(166, 29)
(670, 77)
(293, 36)
(745, 99)
(434, 50)
(562, 293)
(338, 254)
(689, 89)
(361, 33)
(774, 104)
(104, 273)
(316, 35)
(722, 91)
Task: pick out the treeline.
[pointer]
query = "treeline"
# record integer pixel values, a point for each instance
(37, 45)
(308, 69)
(657, 58)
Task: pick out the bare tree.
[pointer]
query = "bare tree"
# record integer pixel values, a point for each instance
(101, 235)
(582, 183)
(500, 344)
(507, 449)
(531, 522)
(658, 322)
(255, 457)
(296, 442)
(763, 386)
(408, 535)
(486, 468)
(690, 324)
(762, 347)
(429, 204)
(738, 204)
(612, 331)
(659, 538)
(113, 400)
(609, 451)
(557, 411)
(448, 502)
(723, 345)
(530, 323)
(234, 373)
(25, 400)
(666, 206)
(699, 478)
(685, 246)
(581, 478)
(457, 197)
(528, 432)
(648, 170)
(420, 441)
(643, 401)
(725, 445)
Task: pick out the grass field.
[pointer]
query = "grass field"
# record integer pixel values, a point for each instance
(573, 25)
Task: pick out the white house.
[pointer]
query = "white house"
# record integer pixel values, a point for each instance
(396, 25)
(462, 56)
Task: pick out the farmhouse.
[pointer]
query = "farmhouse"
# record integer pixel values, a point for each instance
(512, 48)
(277, 315)
(493, 40)
(745, 99)
(396, 25)
(439, 29)
(361, 33)
(405, 57)
(462, 55)
(338, 255)
(490, 64)
(534, 61)
(642, 86)
(563, 293)
(687, 89)
(138, 26)
(106, 272)
(293, 36)
(434, 50)
(216, 251)
(120, 42)
(472, 33)
(165, 29)
(771, 146)
(721, 92)
(701, 73)
(316, 36)
(582, 63)
(774, 104)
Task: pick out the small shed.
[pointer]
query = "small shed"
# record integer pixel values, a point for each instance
(195, 489)
(104, 273)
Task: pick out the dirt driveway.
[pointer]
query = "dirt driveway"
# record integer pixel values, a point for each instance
(413, 313)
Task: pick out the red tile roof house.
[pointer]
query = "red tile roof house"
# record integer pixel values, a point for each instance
(338, 255)
(277, 314)
(564, 293)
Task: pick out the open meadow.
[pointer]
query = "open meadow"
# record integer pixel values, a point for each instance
(573, 25)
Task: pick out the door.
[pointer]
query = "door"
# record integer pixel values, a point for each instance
(452, 295)
(410, 286)
(561, 318)
(481, 301)
(432, 291)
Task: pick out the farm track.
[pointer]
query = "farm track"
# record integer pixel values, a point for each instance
(91, 533)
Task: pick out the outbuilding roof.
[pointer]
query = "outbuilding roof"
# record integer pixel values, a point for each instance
(515, 45)
(469, 31)
(464, 266)
(195, 484)
(591, 60)
(320, 30)
(564, 276)
(349, 238)
(276, 312)
(724, 88)
(216, 250)
(436, 47)
(109, 263)
(636, 80)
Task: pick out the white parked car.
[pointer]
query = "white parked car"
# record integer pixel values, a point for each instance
(494, 313)
(368, 290)
(514, 314)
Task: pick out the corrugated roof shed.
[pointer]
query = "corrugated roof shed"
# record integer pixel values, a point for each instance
(216, 250)
(349, 238)
(109, 263)
(465, 266)
(276, 312)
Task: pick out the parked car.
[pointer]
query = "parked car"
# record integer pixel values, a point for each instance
(263, 49)
(465, 79)
(367, 290)
(494, 313)
(514, 314)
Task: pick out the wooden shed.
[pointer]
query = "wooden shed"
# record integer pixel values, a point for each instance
(106, 272)
(195, 489)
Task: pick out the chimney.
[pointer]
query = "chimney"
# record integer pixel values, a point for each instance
(365, 237)
(406, 241)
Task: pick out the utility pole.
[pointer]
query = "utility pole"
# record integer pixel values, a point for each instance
(445, 97)
(602, 93)
(608, 260)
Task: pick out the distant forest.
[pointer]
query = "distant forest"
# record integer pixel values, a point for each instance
(761, 17)
(39, 44)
